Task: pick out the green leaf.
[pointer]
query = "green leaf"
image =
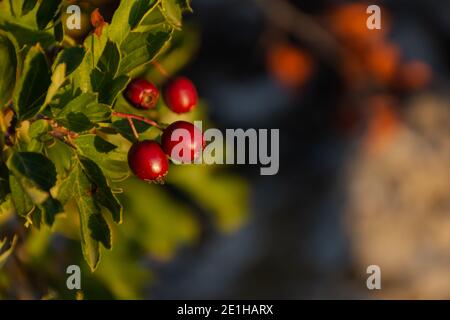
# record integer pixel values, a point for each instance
(150, 20)
(139, 10)
(58, 31)
(94, 48)
(33, 84)
(28, 5)
(4, 254)
(58, 80)
(46, 12)
(103, 77)
(62, 98)
(140, 49)
(103, 146)
(62, 156)
(38, 128)
(24, 205)
(8, 67)
(72, 57)
(123, 128)
(127, 16)
(34, 167)
(109, 60)
(185, 5)
(93, 227)
(4, 181)
(27, 36)
(78, 104)
(103, 194)
(65, 191)
(24, 193)
(81, 113)
(108, 88)
(113, 163)
(20, 199)
(49, 209)
(36, 218)
(76, 121)
(172, 11)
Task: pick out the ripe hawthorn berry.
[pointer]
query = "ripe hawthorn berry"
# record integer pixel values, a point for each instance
(189, 137)
(180, 95)
(148, 161)
(142, 94)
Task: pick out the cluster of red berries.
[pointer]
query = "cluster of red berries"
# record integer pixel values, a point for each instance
(147, 159)
(180, 94)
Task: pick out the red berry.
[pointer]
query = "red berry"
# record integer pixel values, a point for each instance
(180, 95)
(148, 161)
(142, 94)
(191, 139)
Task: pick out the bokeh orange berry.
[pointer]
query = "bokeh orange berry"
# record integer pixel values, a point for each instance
(383, 123)
(289, 65)
(414, 75)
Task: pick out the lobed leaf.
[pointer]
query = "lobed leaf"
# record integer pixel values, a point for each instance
(103, 77)
(102, 194)
(112, 162)
(93, 227)
(35, 167)
(83, 112)
(71, 57)
(140, 48)
(128, 16)
(172, 11)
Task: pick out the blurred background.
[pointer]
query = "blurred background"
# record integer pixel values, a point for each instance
(364, 119)
(365, 150)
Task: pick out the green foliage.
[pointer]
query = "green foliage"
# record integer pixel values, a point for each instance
(64, 166)
(6, 251)
(8, 69)
(33, 84)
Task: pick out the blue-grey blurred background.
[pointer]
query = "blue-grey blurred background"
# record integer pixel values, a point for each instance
(364, 150)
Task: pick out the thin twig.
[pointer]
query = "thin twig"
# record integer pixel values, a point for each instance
(133, 128)
(161, 69)
(62, 130)
(61, 137)
(133, 116)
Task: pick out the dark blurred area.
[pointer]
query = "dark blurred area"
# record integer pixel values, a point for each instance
(364, 152)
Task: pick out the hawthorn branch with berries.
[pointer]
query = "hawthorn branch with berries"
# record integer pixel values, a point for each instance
(65, 89)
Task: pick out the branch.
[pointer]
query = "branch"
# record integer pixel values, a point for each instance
(286, 17)
(133, 116)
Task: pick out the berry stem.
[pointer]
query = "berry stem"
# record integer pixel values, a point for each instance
(133, 116)
(133, 128)
(161, 69)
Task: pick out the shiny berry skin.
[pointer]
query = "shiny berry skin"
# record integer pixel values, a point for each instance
(142, 94)
(148, 161)
(180, 95)
(195, 143)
